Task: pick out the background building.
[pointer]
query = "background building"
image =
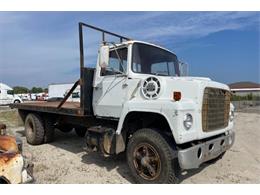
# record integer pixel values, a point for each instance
(245, 88)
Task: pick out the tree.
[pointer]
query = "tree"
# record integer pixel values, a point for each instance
(19, 89)
(36, 90)
(250, 96)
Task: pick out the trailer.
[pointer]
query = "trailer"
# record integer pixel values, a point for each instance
(59, 90)
(137, 101)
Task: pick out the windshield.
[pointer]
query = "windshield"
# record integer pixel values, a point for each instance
(148, 59)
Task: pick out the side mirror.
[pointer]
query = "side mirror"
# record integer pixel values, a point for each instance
(184, 71)
(104, 56)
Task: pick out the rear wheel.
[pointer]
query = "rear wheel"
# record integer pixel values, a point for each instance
(17, 101)
(34, 129)
(150, 158)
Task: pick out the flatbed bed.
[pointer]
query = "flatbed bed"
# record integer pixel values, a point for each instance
(68, 108)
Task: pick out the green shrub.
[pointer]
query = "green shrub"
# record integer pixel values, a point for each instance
(248, 97)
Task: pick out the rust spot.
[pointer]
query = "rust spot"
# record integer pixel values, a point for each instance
(8, 144)
(5, 158)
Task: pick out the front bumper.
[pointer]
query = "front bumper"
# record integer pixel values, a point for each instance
(193, 157)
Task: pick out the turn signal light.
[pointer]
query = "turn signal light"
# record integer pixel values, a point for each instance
(177, 95)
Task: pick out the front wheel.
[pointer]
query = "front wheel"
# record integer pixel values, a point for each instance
(17, 101)
(150, 158)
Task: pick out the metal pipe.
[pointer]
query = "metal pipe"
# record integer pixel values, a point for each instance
(104, 31)
(81, 47)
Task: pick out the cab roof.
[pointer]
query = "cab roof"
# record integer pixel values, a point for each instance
(147, 43)
(4, 86)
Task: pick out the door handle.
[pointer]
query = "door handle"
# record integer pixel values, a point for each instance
(97, 87)
(125, 85)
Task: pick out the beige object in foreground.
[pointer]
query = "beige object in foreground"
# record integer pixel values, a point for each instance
(12, 163)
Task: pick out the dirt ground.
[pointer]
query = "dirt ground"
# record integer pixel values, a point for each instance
(65, 161)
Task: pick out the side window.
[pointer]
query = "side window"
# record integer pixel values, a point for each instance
(10, 92)
(160, 68)
(114, 66)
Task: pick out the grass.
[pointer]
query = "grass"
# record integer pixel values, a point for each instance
(10, 118)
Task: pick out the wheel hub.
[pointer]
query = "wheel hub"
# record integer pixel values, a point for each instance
(147, 161)
(144, 161)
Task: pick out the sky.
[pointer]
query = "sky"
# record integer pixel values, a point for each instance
(39, 48)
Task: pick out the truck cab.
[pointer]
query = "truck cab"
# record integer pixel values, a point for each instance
(141, 77)
(7, 95)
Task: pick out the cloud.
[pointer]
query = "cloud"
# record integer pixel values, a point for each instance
(37, 48)
(195, 24)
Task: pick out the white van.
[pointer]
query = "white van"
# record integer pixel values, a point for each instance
(7, 95)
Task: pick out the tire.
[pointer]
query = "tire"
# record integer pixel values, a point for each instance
(157, 145)
(49, 130)
(17, 101)
(81, 132)
(3, 180)
(34, 129)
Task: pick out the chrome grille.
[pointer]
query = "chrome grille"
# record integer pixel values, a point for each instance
(215, 109)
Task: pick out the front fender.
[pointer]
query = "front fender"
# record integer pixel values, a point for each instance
(172, 111)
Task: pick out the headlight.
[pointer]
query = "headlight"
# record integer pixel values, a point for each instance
(188, 121)
(232, 115)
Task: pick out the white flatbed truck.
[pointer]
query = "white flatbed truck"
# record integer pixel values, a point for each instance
(135, 101)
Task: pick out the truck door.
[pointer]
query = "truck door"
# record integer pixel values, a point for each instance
(110, 85)
(9, 96)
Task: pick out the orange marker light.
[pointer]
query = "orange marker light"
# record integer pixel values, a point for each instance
(177, 95)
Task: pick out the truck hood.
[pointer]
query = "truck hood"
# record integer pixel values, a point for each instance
(190, 87)
(194, 78)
